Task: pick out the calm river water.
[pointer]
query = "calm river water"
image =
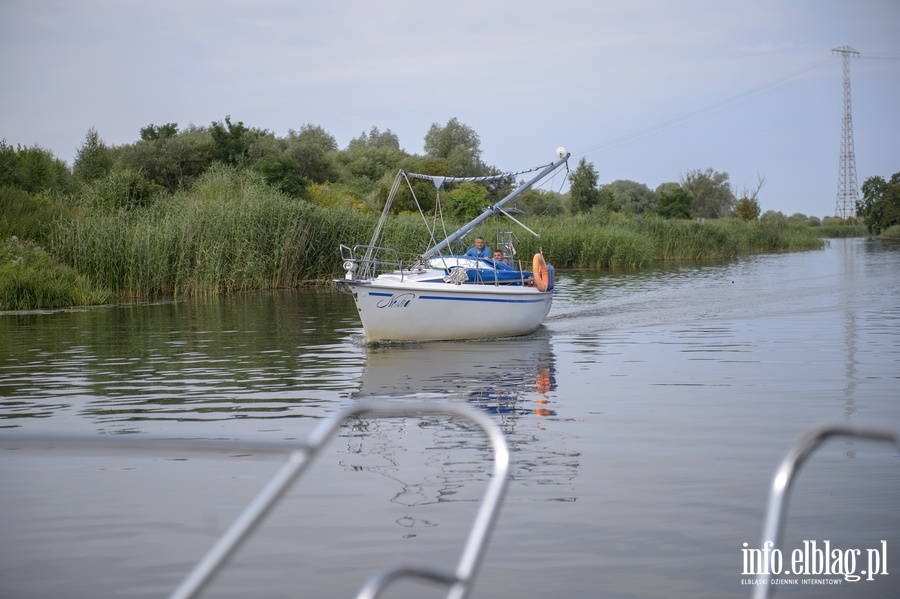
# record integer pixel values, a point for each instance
(645, 418)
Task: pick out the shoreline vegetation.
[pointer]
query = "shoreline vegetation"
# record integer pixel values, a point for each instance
(230, 213)
(232, 232)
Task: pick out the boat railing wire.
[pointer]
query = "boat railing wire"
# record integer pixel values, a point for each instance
(298, 457)
(368, 261)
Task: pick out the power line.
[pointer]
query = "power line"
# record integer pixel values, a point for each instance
(742, 99)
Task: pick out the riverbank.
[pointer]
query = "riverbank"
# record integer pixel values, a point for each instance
(232, 232)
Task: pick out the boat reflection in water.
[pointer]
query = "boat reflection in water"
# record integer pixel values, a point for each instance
(512, 380)
(510, 377)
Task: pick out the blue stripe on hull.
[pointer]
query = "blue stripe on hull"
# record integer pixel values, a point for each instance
(466, 299)
(477, 299)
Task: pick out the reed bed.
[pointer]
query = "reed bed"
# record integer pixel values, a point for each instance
(31, 279)
(232, 232)
(25, 215)
(891, 232)
(842, 230)
(582, 243)
(621, 241)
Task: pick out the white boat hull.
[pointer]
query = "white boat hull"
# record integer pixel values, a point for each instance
(394, 310)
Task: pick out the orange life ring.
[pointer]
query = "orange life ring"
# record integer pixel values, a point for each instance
(539, 270)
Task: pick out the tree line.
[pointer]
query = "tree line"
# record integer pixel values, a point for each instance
(701, 193)
(880, 205)
(307, 164)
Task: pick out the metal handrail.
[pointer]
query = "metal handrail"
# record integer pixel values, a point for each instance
(368, 263)
(784, 478)
(300, 455)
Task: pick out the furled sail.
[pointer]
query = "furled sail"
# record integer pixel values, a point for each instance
(439, 181)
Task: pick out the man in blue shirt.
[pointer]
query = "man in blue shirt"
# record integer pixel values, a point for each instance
(480, 250)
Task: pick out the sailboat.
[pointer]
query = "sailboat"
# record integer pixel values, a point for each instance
(441, 296)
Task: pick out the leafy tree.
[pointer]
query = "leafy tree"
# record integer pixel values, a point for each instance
(772, 215)
(539, 202)
(368, 158)
(283, 172)
(94, 159)
(459, 146)
(313, 149)
(583, 187)
(746, 209)
(465, 201)
(370, 162)
(607, 201)
(673, 201)
(9, 164)
(880, 204)
(424, 190)
(633, 197)
(153, 132)
(667, 187)
(376, 139)
(33, 170)
(173, 162)
(711, 196)
(232, 141)
(265, 146)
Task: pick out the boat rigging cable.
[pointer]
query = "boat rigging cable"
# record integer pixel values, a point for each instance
(563, 156)
(439, 182)
(557, 193)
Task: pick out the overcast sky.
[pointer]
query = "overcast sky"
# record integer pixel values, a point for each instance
(646, 90)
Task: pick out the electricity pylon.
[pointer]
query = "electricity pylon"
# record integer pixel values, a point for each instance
(847, 193)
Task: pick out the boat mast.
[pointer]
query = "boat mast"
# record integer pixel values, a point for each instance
(492, 210)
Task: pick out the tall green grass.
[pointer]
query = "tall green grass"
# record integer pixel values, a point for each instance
(232, 232)
(26, 215)
(32, 279)
(892, 232)
(622, 241)
(842, 229)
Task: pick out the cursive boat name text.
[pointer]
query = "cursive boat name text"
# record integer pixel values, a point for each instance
(396, 301)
